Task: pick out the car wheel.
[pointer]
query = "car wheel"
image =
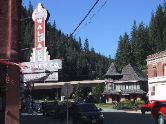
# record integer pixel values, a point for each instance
(161, 119)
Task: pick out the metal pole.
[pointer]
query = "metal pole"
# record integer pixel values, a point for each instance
(32, 97)
(67, 105)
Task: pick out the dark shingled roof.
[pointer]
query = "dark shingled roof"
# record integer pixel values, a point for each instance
(112, 71)
(131, 72)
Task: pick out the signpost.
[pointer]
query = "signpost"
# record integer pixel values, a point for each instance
(40, 68)
(67, 89)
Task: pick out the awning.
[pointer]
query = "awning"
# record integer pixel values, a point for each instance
(52, 85)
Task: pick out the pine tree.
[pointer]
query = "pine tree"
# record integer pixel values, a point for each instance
(156, 29)
(122, 57)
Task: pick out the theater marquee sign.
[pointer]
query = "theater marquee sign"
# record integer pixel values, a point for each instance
(40, 67)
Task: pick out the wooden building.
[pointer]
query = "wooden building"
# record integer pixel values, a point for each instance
(131, 84)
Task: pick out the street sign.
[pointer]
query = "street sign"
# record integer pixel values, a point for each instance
(67, 89)
(41, 67)
(40, 77)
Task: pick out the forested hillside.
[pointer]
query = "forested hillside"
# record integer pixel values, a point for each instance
(79, 61)
(142, 41)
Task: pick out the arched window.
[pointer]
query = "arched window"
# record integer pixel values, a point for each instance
(154, 71)
(164, 70)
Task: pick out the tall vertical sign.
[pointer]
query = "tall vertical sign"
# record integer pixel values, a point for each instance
(39, 16)
(40, 68)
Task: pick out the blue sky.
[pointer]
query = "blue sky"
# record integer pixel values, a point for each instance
(104, 28)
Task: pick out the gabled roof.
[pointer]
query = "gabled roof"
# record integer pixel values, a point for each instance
(131, 72)
(112, 71)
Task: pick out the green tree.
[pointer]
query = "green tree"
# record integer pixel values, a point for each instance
(97, 92)
(122, 57)
(78, 94)
(156, 29)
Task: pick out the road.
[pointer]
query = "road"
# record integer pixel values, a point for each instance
(111, 117)
(127, 118)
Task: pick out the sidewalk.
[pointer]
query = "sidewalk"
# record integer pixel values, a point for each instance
(125, 111)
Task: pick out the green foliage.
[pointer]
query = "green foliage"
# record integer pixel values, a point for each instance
(139, 103)
(143, 41)
(127, 104)
(97, 92)
(78, 94)
(123, 52)
(130, 105)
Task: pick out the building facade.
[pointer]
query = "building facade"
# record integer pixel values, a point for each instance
(131, 84)
(156, 64)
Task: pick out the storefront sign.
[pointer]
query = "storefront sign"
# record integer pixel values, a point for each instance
(38, 67)
(40, 77)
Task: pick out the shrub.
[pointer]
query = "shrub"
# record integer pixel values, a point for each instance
(127, 104)
(139, 103)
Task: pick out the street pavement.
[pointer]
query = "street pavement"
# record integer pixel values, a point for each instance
(111, 116)
(40, 119)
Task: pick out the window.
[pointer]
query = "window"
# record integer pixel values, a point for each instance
(153, 91)
(127, 86)
(164, 70)
(154, 71)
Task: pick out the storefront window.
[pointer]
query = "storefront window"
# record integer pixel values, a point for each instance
(154, 71)
(164, 70)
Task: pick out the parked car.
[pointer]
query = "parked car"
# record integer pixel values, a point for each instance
(85, 113)
(147, 107)
(49, 108)
(37, 107)
(158, 112)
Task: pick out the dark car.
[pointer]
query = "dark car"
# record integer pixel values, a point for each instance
(50, 108)
(37, 107)
(86, 113)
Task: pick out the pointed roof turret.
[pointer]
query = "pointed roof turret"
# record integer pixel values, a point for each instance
(112, 72)
(131, 72)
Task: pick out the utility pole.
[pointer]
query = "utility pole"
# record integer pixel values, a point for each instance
(9, 52)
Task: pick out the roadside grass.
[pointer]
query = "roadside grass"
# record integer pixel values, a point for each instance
(105, 105)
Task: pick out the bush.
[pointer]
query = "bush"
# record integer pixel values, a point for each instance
(127, 104)
(139, 103)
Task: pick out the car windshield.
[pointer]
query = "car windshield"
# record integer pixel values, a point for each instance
(87, 107)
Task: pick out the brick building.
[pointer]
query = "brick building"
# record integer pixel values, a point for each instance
(156, 64)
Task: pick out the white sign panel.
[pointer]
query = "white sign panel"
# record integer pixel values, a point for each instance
(67, 89)
(40, 77)
(38, 67)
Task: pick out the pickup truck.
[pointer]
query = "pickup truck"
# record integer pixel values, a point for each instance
(147, 107)
(158, 112)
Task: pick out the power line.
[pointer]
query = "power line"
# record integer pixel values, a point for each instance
(94, 14)
(85, 17)
(90, 19)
